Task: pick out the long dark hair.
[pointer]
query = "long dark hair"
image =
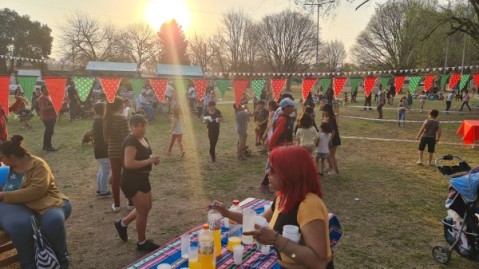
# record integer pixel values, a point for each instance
(111, 108)
(14, 147)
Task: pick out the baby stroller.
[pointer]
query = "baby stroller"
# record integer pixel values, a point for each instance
(461, 226)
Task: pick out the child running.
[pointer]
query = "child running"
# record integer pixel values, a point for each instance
(402, 112)
(176, 131)
(430, 133)
(322, 143)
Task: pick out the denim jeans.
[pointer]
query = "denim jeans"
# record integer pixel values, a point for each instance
(47, 135)
(15, 219)
(150, 113)
(103, 175)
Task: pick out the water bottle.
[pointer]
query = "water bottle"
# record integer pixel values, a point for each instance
(235, 228)
(214, 221)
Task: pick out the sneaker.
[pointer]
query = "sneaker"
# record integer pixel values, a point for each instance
(115, 208)
(148, 246)
(122, 231)
(104, 195)
(419, 162)
(130, 207)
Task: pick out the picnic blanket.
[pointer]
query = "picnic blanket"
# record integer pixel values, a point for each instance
(171, 252)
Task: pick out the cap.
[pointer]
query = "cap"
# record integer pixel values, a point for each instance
(206, 226)
(286, 102)
(236, 202)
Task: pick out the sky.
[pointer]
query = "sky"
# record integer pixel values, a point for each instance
(204, 15)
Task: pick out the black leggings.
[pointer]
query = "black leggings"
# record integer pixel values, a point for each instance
(467, 104)
(213, 136)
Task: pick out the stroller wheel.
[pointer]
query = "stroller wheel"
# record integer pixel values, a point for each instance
(441, 254)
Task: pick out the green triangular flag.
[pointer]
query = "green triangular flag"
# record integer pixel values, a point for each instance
(258, 85)
(27, 84)
(83, 86)
(137, 85)
(443, 81)
(222, 85)
(385, 82)
(464, 80)
(413, 83)
(325, 82)
(354, 83)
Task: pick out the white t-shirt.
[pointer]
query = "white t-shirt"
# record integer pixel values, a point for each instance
(449, 96)
(323, 145)
(191, 93)
(169, 91)
(306, 136)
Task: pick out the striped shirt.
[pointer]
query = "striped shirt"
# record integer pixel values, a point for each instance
(118, 131)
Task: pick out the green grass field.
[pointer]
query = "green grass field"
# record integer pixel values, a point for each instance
(390, 208)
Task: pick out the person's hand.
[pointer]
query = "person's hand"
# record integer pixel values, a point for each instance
(220, 207)
(263, 235)
(154, 160)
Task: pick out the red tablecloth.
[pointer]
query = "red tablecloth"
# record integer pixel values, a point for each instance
(469, 130)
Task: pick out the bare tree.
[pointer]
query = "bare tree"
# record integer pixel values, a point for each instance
(137, 44)
(333, 55)
(202, 51)
(287, 41)
(85, 38)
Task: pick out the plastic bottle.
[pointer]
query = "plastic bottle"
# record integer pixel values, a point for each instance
(206, 251)
(235, 228)
(214, 221)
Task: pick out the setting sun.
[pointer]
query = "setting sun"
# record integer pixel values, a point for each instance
(159, 11)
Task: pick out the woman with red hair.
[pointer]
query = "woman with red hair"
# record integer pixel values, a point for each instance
(298, 202)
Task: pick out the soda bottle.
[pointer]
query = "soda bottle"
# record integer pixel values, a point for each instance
(206, 255)
(235, 228)
(214, 221)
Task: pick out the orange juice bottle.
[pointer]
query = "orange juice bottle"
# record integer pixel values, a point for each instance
(206, 251)
(214, 220)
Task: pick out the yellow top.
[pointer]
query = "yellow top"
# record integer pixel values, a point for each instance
(311, 208)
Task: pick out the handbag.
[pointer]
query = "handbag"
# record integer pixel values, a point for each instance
(45, 258)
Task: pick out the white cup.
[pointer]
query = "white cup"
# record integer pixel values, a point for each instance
(290, 229)
(185, 245)
(261, 221)
(265, 249)
(248, 225)
(163, 266)
(238, 254)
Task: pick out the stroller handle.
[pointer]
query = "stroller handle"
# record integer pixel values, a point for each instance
(447, 157)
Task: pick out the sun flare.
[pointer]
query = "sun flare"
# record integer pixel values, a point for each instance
(158, 12)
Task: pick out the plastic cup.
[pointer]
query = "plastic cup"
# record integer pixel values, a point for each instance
(4, 170)
(163, 266)
(265, 249)
(185, 245)
(248, 225)
(193, 258)
(232, 242)
(238, 254)
(290, 229)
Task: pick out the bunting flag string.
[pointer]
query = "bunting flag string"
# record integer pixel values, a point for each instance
(308, 84)
(239, 86)
(277, 84)
(325, 82)
(385, 82)
(110, 87)
(56, 89)
(339, 85)
(258, 85)
(369, 83)
(398, 83)
(222, 85)
(200, 87)
(28, 84)
(444, 79)
(413, 83)
(4, 91)
(428, 81)
(83, 86)
(454, 80)
(354, 84)
(137, 84)
(464, 80)
(475, 78)
(159, 87)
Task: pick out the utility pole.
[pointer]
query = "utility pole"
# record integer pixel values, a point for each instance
(318, 5)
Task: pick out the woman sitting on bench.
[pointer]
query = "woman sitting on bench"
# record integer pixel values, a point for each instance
(30, 190)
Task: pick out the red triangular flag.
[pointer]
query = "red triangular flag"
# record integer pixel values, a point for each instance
(110, 87)
(339, 85)
(200, 87)
(56, 89)
(4, 91)
(428, 80)
(240, 86)
(277, 84)
(398, 82)
(308, 84)
(454, 80)
(159, 87)
(475, 78)
(369, 85)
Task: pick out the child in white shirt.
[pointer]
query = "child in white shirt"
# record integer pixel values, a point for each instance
(306, 133)
(322, 150)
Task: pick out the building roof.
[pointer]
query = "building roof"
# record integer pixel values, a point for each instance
(111, 66)
(167, 70)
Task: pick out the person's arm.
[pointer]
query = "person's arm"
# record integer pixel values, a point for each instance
(297, 136)
(278, 130)
(173, 123)
(130, 162)
(421, 131)
(438, 133)
(37, 187)
(225, 212)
